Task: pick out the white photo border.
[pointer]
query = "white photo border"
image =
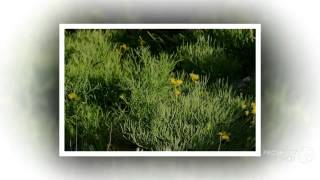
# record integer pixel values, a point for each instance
(63, 153)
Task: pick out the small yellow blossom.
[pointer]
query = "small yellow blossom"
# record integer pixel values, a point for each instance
(246, 113)
(177, 92)
(194, 77)
(225, 136)
(179, 82)
(176, 82)
(73, 96)
(253, 105)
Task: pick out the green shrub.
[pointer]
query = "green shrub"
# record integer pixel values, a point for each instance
(120, 96)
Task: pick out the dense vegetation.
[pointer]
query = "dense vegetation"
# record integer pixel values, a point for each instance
(159, 90)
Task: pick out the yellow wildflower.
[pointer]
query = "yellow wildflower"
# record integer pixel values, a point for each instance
(194, 77)
(73, 96)
(176, 82)
(177, 92)
(225, 136)
(253, 105)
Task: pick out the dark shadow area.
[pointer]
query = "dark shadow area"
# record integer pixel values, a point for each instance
(158, 40)
(107, 95)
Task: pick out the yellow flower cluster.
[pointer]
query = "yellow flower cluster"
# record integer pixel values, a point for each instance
(176, 83)
(253, 106)
(224, 136)
(73, 96)
(194, 77)
(246, 110)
